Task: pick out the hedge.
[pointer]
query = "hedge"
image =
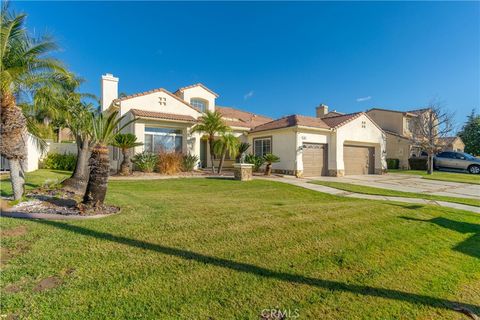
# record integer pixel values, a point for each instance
(57, 161)
(418, 163)
(393, 163)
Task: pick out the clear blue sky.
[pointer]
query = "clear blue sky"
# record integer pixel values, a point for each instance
(276, 58)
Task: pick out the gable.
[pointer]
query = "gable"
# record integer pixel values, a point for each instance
(158, 101)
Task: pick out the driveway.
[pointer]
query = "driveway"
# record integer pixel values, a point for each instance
(409, 183)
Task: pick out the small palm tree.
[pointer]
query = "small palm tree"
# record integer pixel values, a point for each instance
(227, 143)
(104, 130)
(242, 149)
(24, 67)
(126, 141)
(269, 159)
(211, 123)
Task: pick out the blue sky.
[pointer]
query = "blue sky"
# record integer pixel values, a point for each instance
(276, 58)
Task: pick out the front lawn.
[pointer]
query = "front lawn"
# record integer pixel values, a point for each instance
(443, 176)
(34, 180)
(223, 249)
(393, 193)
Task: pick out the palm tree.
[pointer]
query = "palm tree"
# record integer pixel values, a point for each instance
(227, 143)
(126, 141)
(65, 106)
(211, 123)
(104, 130)
(24, 68)
(269, 159)
(242, 149)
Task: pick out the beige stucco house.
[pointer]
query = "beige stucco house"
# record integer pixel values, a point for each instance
(452, 144)
(329, 144)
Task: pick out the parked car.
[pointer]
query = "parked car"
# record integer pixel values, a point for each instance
(457, 160)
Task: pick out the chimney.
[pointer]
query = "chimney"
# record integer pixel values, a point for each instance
(109, 90)
(322, 110)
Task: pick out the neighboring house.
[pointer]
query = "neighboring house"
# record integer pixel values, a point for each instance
(398, 127)
(333, 145)
(452, 144)
(329, 144)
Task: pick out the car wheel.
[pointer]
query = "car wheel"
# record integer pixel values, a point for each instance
(474, 169)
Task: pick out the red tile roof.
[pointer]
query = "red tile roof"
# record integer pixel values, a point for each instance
(338, 121)
(196, 85)
(291, 121)
(238, 118)
(162, 115)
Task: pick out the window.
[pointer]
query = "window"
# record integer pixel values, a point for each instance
(449, 155)
(262, 146)
(163, 139)
(200, 104)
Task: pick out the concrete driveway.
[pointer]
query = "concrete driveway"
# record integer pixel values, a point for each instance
(410, 183)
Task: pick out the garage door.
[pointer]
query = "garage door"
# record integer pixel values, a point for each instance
(358, 160)
(315, 159)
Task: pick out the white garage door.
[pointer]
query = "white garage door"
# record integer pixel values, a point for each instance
(359, 160)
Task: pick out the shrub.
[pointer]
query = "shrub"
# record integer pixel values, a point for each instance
(393, 163)
(59, 161)
(169, 162)
(145, 161)
(418, 163)
(257, 161)
(270, 158)
(189, 162)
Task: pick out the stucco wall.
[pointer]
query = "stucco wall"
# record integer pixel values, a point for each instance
(311, 136)
(388, 120)
(398, 148)
(199, 92)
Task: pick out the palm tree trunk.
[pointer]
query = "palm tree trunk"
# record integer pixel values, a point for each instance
(13, 130)
(97, 183)
(268, 169)
(126, 166)
(222, 159)
(18, 178)
(77, 183)
(212, 152)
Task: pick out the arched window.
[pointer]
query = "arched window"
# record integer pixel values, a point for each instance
(200, 104)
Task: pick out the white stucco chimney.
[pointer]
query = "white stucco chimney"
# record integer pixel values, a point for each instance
(109, 90)
(322, 110)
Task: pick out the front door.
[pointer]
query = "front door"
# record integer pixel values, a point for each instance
(203, 153)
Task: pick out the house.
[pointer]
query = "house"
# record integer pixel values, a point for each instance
(329, 144)
(452, 144)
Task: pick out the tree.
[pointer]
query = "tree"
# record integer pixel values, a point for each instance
(269, 159)
(429, 127)
(67, 108)
(242, 149)
(227, 143)
(104, 130)
(470, 134)
(24, 68)
(126, 141)
(211, 123)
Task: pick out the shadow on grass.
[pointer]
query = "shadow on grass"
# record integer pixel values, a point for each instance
(470, 246)
(267, 273)
(408, 206)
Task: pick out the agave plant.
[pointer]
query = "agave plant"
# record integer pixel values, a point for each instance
(104, 130)
(270, 158)
(126, 141)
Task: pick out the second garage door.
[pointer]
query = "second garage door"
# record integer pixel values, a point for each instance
(315, 159)
(359, 160)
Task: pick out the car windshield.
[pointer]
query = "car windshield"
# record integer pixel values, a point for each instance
(468, 156)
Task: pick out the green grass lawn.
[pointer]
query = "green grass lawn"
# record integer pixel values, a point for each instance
(443, 176)
(386, 192)
(223, 249)
(34, 180)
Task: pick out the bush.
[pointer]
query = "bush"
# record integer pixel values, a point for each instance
(145, 161)
(59, 161)
(417, 163)
(169, 162)
(393, 163)
(255, 160)
(189, 162)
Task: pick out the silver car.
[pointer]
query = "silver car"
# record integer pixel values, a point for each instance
(457, 160)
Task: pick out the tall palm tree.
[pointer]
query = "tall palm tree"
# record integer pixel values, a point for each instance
(227, 143)
(126, 141)
(24, 67)
(211, 123)
(104, 130)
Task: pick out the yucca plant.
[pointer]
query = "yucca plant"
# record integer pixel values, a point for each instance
(125, 142)
(145, 161)
(211, 123)
(24, 67)
(104, 130)
(270, 158)
(189, 162)
(242, 149)
(227, 143)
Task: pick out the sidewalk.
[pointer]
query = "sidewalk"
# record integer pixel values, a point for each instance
(304, 183)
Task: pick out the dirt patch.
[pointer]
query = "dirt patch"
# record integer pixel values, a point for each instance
(15, 232)
(13, 316)
(12, 288)
(5, 256)
(47, 284)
